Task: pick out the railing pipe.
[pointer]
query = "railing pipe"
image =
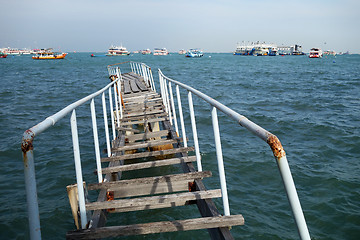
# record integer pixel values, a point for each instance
(116, 106)
(108, 147)
(96, 141)
(170, 107)
(79, 178)
(194, 131)
(181, 116)
(152, 80)
(112, 114)
(173, 109)
(220, 162)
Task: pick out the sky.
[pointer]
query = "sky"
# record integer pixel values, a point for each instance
(213, 26)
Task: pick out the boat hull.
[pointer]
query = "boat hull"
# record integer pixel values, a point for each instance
(50, 57)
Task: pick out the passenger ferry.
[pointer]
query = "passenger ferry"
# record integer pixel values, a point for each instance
(315, 53)
(117, 51)
(48, 54)
(146, 52)
(160, 51)
(194, 53)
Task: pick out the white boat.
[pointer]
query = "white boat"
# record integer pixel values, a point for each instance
(117, 51)
(160, 51)
(194, 53)
(146, 52)
(261, 51)
(315, 53)
(182, 52)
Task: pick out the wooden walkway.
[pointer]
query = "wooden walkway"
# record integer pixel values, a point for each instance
(146, 135)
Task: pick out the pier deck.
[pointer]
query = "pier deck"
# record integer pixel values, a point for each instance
(147, 140)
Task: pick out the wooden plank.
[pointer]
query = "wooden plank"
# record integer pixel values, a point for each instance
(152, 188)
(150, 164)
(151, 143)
(127, 88)
(146, 135)
(133, 86)
(143, 121)
(147, 154)
(157, 227)
(141, 85)
(143, 113)
(155, 115)
(128, 204)
(114, 185)
(128, 129)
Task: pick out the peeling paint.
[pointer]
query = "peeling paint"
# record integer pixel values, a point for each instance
(27, 141)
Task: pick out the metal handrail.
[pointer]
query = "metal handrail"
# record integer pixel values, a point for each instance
(271, 139)
(28, 156)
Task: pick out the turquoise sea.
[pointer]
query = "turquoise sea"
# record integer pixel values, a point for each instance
(312, 105)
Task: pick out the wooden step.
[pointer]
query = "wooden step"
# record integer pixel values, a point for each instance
(153, 202)
(151, 143)
(143, 112)
(158, 227)
(147, 154)
(151, 120)
(150, 164)
(168, 179)
(146, 135)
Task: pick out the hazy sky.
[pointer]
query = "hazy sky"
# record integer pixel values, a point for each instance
(214, 26)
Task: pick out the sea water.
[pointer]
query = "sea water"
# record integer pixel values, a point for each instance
(312, 105)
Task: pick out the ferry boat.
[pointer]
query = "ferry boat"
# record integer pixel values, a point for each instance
(117, 51)
(146, 52)
(48, 54)
(3, 55)
(243, 49)
(194, 53)
(315, 53)
(261, 51)
(160, 51)
(182, 52)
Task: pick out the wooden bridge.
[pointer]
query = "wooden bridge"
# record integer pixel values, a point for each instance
(146, 140)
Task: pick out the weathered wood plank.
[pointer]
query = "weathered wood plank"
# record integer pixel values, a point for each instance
(155, 115)
(146, 135)
(128, 129)
(124, 123)
(141, 85)
(128, 204)
(152, 143)
(147, 154)
(114, 185)
(127, 88)
(143, 113)
(150, 164)
(134, 87)
(158, 227)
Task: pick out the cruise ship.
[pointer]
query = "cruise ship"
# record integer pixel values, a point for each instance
(117, 51)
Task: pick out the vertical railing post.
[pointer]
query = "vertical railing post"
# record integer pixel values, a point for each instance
(195, 137)
(173, 109)
(220, 161)
(181, 116)
(108, 147)
(293, 197)
(152, 80)
(116, 105)
(79, 178)
(30, 185)
(170, 108)
(112, 114)
(118, 85)
(131, 66)
(96, 141)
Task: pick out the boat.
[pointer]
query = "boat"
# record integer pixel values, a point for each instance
(194, 53)
(3, 55)
(182, 52)
(273, 51)
(117, 51)
(49, 54)
(243, 49)
(261, 51)
(330, 52)
(315, 53)
(146, 52)
(160, 52)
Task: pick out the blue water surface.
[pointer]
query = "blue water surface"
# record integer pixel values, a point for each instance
(312, 105)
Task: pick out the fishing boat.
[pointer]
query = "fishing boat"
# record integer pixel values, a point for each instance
(48, 54)
(315, 53)
(194, 53)
(160, 52)
(3, 55)
(117, 51)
